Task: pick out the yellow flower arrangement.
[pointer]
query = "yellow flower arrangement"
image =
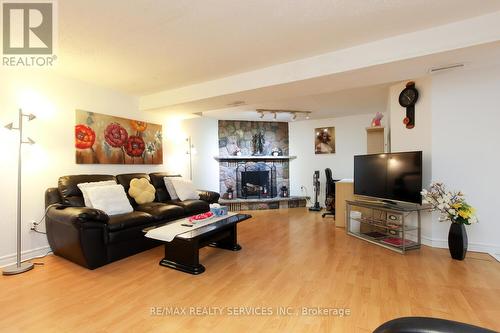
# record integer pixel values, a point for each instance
(452, 205)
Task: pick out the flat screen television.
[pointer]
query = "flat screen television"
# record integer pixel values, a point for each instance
(390, 176)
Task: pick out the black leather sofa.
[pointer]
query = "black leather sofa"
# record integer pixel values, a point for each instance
(428, 325)
(91, 238)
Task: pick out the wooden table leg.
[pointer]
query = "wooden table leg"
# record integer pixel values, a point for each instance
(183, 255)
(229, 242)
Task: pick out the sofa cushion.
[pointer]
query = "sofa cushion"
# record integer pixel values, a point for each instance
(85, 186)
(125, 178)
(111, 199)
(170, 188)
(69, 191)
(193, 207)
(161, 211)
(128, 220)
(157, 179)
(141, 190)
(184, 188)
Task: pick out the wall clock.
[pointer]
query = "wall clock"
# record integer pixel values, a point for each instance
(407, 99)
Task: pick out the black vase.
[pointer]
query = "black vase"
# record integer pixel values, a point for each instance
(457, 241)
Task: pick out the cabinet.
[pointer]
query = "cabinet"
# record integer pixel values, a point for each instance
(394, 227)
(344, 190)
(375, 140)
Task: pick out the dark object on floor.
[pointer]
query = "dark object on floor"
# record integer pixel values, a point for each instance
(316, 185)
(330, 193)
(457, 241)
(428, 325)
(376, 234)
(91, 238)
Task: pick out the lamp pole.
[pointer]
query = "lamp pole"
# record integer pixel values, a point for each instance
(19, 266)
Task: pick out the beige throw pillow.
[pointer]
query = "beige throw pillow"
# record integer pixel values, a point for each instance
(141, 190)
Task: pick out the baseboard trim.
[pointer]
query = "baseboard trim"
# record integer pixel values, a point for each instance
(491, 249)
(25, 255)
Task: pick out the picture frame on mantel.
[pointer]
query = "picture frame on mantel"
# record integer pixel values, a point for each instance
(324, 142)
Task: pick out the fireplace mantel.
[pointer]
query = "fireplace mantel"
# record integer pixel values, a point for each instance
(253, 158)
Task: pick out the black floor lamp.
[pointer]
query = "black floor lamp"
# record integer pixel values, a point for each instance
(19, 266)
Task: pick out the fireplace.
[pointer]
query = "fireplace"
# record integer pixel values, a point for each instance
(256, 180)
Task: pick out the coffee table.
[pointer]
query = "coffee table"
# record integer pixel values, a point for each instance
(182, 253)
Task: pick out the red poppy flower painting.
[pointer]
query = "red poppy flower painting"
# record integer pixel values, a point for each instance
(105, 139)
(115, 135)
(84, 137)
(135, 146)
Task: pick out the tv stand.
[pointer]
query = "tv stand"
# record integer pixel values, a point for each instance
(389, 202)
(395, 227)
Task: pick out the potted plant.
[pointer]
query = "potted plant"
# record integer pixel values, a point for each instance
(453, 208)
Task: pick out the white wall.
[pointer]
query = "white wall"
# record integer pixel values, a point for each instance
(417, 138)
(54, 100)
(456, 127)
(350, 140)
(465, 153)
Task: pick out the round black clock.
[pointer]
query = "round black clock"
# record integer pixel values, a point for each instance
(407, 99)
(408, 96)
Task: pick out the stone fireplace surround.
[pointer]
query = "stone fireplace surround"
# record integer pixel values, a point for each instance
(236, 136)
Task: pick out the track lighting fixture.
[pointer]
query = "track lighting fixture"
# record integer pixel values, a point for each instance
(294, 114)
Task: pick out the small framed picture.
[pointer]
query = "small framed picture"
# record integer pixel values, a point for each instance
(324, 142)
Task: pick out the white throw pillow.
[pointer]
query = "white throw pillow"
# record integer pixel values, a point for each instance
(170, 187)
(184, 188)
(84, 186)
(111, 199)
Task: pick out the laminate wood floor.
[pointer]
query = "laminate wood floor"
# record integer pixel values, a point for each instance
(292, 261)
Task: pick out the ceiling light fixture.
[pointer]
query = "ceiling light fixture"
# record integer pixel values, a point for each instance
(294, 114)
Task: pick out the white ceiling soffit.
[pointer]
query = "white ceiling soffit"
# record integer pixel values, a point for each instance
(292, 95)
(362, 60)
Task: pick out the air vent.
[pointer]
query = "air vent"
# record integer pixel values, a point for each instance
(445, 68)
(236, 103)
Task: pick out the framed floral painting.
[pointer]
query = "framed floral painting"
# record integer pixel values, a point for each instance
(324, 142)
(104, 139)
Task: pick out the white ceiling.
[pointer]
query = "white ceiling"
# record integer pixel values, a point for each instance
(143, 46)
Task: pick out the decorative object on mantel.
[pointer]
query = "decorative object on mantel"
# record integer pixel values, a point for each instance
(407, 99)
(230, 193)
(277, 152)
(376, 121)
(258, 144)
(105, 139)
(20, 266)
(284, 191)
(325, 140)
(454, 208)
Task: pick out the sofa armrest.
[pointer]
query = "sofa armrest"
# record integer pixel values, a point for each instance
(209, 196)
(78, 234)
(72, 214)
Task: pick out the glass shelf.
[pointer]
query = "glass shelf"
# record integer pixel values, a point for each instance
(387, 226)
(384, 225)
